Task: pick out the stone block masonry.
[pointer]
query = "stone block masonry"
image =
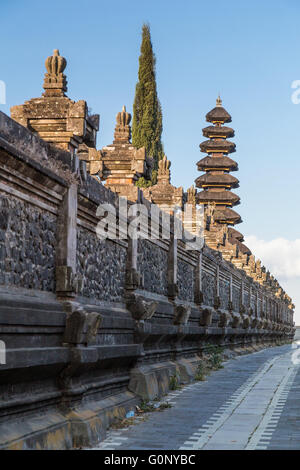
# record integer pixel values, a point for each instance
(92, 326)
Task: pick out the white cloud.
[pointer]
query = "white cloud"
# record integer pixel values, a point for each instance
(280, 256)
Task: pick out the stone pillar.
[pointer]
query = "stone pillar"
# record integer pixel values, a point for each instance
(132, 281)
(217, 302)
(172, 263)
(242, 295)
(132, 275)
(230, 288)
(198, 294)
(66, 279)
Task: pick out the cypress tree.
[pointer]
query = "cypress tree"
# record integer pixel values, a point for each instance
(147, 113)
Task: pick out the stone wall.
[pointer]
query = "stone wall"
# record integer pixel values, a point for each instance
(92, 326)
(208, 286)
(101, 266)
(27, 245)
(224, 293)
(153, 267)
(185, 281)
(236, 294)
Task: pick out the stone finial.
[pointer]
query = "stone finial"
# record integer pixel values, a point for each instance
(220, 236)
(224, 233)
(251, 263)
(191, 195)
(55, 83)
(123, 118)
(122, 129)
(55, 64)
(279, 292)
(164, 174)
(209, 213)
(258, 264)
(258, 268)
(219, 102)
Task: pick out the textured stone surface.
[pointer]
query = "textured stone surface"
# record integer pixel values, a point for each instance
(101, 264)
(246, 299)
(224, 294)
(185, 273)
(259, 307)
(253, 303)
(232, 411)
(153, 267)
(236, 298)
(208, 287)
(27, 245)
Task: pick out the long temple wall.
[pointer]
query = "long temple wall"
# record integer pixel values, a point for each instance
(93, 326)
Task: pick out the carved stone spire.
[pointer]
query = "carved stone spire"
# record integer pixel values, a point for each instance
(55, 64)
(164, 174)
(166, 196)
(191, 195)
(55, 82)
(209, 213)
(122, 129)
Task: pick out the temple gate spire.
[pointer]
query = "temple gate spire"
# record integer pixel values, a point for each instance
(58, 119)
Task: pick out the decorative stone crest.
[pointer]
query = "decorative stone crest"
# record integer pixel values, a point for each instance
(81, 326)
(140, 308)
(224, 319)
(209, 214)
(206, 317)
(164, 194)
(122, 129)
(191, 195)
(163, 175)
(182, 314)
(236, 320)
(55, 82)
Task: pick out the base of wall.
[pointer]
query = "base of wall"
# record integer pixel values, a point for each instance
(153, 380)
(57, 430)
(86, 425)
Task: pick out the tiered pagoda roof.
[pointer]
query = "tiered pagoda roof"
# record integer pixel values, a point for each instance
(237, 238)
(217, 181)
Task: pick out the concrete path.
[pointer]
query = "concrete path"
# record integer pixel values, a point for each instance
(253, 403)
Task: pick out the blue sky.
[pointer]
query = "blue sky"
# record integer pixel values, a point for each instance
(247, 51)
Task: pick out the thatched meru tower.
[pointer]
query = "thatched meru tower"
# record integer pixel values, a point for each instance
(217, 181)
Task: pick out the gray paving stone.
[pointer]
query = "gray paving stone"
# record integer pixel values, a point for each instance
(196, 406)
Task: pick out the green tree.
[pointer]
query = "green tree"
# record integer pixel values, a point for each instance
(147, 113)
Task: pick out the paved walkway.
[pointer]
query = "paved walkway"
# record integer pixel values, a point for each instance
(253, 403)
